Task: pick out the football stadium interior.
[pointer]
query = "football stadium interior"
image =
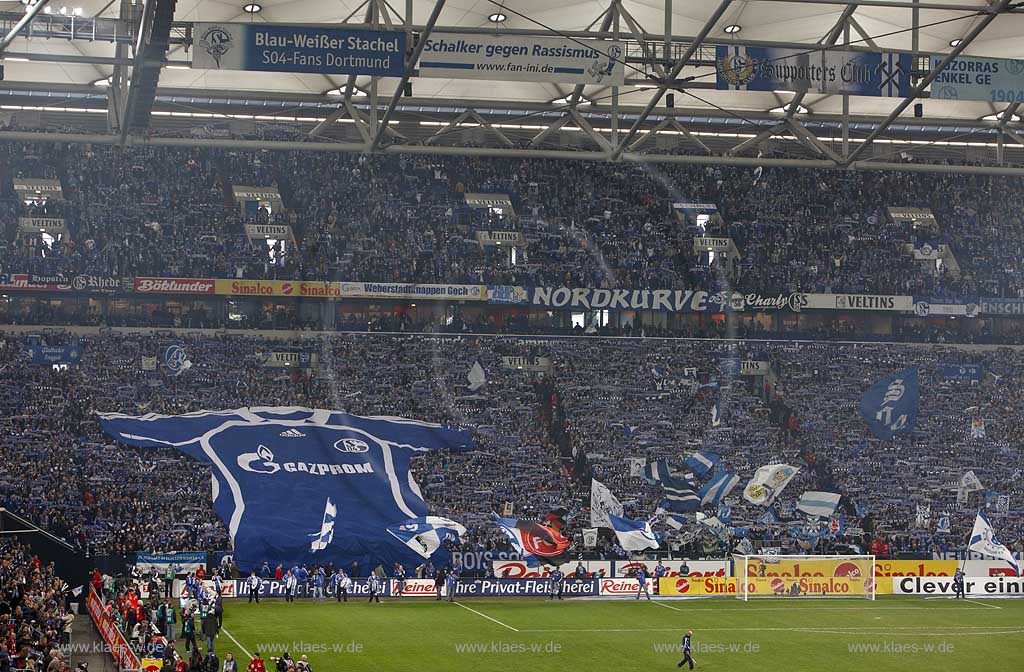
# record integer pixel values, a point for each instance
(506, 334)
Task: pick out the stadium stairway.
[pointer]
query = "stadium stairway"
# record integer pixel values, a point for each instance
(87, 646)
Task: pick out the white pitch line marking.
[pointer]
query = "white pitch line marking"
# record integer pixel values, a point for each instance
(232, 638)
(504, 625)
(667, 606)
(990, 606)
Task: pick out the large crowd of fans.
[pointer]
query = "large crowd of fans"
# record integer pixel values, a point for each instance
(171, 212)
(615, 399)
(34, 618)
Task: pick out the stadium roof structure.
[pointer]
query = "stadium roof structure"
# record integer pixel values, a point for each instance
(70, 64)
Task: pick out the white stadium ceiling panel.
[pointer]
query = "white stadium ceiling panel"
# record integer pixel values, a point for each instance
(780, 22)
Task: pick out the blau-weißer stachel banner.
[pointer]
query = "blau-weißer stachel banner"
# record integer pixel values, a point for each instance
(288, 48)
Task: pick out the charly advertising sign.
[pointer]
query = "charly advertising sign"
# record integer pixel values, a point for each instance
(523, 58)
(271, 47)
(997, 80)
(856, 73)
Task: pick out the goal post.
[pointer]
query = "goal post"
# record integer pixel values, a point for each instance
(804, 576)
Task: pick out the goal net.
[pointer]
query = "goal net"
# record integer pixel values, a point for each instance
(804, 576)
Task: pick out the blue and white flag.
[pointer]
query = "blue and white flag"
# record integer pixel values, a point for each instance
(890, 405)
(275, 469)
(426, 534)
(325, 536)
(680, 492)
(745, 547)
(861, 509)
(720, 485)
(680, 495)
(702, 462)
(943, 526)
(768, 517)
(983, 540)
(815, 503)
(654, 472)
(716, 412)
(675, 520)
(725, 513)
(633, 535)
(714, 525)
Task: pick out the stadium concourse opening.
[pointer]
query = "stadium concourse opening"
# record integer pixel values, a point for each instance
(378, 345)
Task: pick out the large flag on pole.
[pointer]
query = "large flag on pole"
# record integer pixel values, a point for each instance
(890, 405)
(718, 487)
(633, 535)
(535, 542)
(815, 503)
(427, 534)
(702, 462)
(602, 502)
(768, 482)
(983, 540)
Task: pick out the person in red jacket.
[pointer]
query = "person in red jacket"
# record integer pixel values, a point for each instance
(97, 581)
(201, 573)
(278, 573)
(256, 664)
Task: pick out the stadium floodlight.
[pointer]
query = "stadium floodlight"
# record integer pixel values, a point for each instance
(732, 29)
(955, 43)
(800, 109)
(497, 17)
(767, 575)
(252, 8)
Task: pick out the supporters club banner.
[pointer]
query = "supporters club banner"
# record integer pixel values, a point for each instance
(31, 282)
(856, 73)
(27, 187)
(293, 48)
(668, 300)
(174, 285)
(401, 290)
(997, 80)
(243, 192)
(180, 562)
(523, 58)
(46, 355)
(508, 295)
(962, 372)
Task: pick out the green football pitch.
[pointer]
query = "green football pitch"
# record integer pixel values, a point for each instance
(480, 635)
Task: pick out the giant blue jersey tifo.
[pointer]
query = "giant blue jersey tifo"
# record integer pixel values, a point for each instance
(295, 485)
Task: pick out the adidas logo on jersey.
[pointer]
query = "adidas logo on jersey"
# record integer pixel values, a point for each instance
(292, 434)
